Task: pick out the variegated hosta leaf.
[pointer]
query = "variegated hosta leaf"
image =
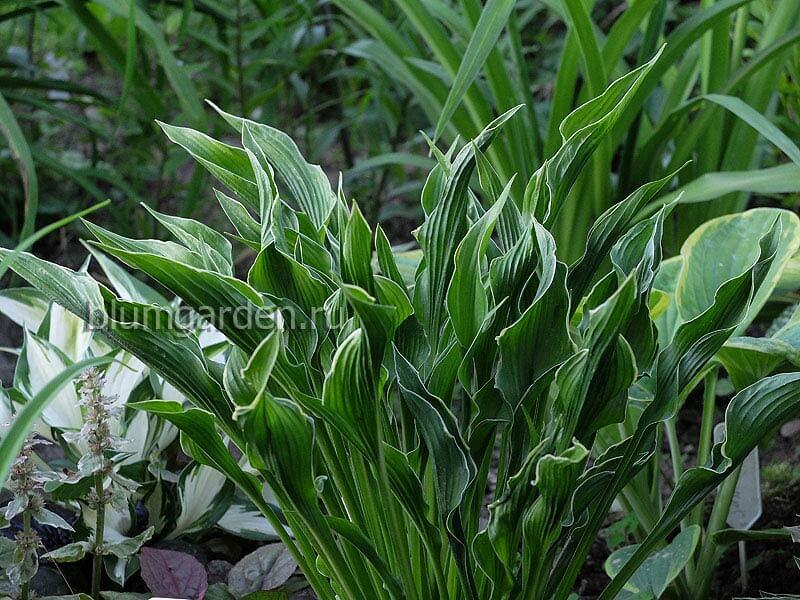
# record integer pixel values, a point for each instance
(247, 522)
(204, 498)
(751, 414)
(725, 247)
(444, 228)
(43, 360)
(582, 131)
(26, 307)
(659, 569)
(307, 184)
(146, 331)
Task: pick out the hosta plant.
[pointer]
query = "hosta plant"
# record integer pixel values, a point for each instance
(144, 495)
(430, 423)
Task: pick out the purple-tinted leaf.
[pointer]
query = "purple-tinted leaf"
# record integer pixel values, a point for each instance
(173, 574)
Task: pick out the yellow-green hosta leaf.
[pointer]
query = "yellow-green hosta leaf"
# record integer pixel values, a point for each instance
(199, 238)
(307, 184)
(351, 387)
(444, 228)
(356, 251)
(231, 305)
(522, 360)
(748, 359)
(724, 248)
(246, 226)
(124, 284)
(665, 282)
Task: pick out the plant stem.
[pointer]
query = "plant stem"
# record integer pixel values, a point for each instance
(674, 448)
(24, 591)
(707, 422)
(709, 552)
(100, 524)
(396, 525)
(706, 432)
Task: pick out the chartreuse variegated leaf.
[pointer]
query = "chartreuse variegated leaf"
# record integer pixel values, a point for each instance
(350, 388)
(444, 227)
(391, 398)
(453, 466)
(200, 238)
(246, 226)
(467, 298)
(607, 230)
(224, 300)
(124, 284)
(521, 365)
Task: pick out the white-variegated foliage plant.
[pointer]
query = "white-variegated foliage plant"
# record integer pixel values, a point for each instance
(55, 340)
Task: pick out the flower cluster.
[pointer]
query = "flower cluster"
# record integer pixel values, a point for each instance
(25, 482)
(96, 436)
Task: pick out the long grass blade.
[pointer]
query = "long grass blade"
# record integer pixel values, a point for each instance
(483, 40)
(32, 239)
(21, 152)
